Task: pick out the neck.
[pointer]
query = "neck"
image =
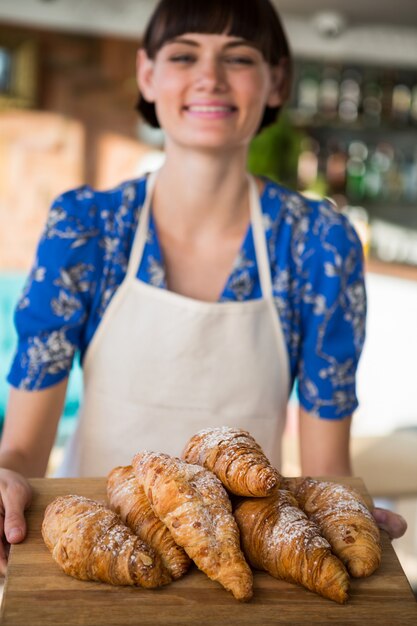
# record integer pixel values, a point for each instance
(199, 190)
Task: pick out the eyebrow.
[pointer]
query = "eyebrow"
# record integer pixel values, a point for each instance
(232, 44)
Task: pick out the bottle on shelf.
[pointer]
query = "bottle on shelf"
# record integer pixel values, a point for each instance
(307, 93)
(356, 170)
(335, 166)
(413, 105)
(391, 182)
(373, 175)
(371, 106)
(308, 163)
(350, 96)
(328, 94)
(401, 104)
(410, 179)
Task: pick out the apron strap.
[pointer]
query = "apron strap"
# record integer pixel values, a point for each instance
(259, 238)
(142, 229)
(264, 269)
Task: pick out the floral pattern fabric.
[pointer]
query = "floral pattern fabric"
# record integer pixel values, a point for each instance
(317, 273)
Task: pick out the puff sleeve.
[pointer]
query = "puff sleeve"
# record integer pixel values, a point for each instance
(332, 314)
(53, 308)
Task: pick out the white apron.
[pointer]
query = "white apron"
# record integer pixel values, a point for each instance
(162, 366)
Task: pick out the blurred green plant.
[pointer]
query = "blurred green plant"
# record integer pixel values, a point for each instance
(275, 151)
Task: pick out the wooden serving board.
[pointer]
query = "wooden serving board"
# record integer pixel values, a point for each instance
(38, 593)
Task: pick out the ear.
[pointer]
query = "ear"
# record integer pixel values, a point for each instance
(279, 84)
(144, 75)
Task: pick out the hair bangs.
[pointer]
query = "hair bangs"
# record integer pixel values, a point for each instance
(240, 18)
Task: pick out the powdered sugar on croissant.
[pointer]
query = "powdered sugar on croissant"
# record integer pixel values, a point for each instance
(279, 538)
(236, 459)
(193, 504)
(344, 519)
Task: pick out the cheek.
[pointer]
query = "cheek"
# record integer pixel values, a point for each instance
(167, 85)
(167, 94)
(254, 90)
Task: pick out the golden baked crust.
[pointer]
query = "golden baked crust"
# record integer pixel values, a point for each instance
(90, 542)
(344, 520)
(195, 507)
(127, 498)
(278, 537)
(235, 458)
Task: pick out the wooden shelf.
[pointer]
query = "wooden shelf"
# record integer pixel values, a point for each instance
(397, 270)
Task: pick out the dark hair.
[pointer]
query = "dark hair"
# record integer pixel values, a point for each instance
(253, 20)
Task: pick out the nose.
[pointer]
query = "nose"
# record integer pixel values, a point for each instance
(211, 75)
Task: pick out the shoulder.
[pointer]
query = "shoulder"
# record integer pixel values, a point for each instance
(310, 224)
(94, 205)
(88, 226)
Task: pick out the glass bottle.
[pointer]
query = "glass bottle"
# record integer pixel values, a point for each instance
(350, 96)
(371, 107)
(308, 92)
(328, 96)
(401, 103)
(355, 171)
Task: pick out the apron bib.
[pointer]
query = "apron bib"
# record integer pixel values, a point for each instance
(162, 366)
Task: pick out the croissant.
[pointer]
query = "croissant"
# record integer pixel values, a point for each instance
(235, 458)
(344, 520)
(90, 542)
(195, 507)
(279, 538)
(127, 498)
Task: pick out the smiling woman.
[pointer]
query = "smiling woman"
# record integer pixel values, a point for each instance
(197, 295)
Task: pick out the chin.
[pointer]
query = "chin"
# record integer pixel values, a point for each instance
(214, 147)
(211, 140)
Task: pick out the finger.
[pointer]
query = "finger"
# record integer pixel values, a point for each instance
(394, 524)
(14, 526)
(3, 551)
(3, 563)
(3, 543)
(4, 557)
(14, 520)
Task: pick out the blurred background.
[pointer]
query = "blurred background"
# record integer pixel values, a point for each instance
(67, 98)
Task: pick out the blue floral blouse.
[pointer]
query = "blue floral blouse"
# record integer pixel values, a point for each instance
(317, 272)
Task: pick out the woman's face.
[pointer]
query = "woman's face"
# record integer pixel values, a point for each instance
(209, 91)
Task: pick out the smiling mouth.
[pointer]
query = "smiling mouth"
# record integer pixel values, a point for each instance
(203, 108)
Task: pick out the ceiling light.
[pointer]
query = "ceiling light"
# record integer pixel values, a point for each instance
(329, 24)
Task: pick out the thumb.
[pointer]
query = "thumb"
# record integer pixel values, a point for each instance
(14, 519)
(394, 524)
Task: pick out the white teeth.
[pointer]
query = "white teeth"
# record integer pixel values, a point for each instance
(209, 109)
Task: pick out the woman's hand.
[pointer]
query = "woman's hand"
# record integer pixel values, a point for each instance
(15, 497)
(394, 524)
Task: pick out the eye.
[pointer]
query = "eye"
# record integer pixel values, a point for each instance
(182, 58)
(239, 60)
